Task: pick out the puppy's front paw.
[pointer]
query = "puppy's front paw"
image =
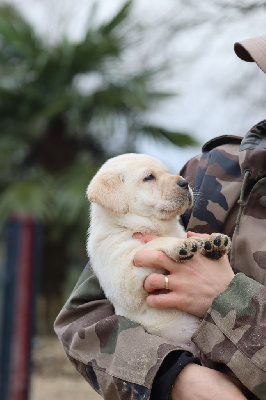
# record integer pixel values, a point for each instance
(216, 246)
(187, 249)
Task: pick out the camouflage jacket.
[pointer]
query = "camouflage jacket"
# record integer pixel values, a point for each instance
(117, 357)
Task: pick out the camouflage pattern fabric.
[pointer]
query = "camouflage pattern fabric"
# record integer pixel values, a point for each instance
(117, 357)
(233, 332)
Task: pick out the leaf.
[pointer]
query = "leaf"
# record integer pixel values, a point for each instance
(32, 196)
(71, 201)
(92, 15)
(17, 35)
(120, 17)
(177, 138)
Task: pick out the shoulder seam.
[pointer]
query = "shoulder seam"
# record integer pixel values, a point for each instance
(220, 140)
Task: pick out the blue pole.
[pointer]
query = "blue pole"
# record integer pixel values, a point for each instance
(8, 313)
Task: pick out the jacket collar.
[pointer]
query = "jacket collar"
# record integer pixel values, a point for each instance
(252, 155)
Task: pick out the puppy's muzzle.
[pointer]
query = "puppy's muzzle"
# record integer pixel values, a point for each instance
(183, 183)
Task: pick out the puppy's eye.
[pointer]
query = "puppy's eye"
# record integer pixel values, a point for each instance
(149, 178)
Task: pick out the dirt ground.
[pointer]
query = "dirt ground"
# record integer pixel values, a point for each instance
(53, 376)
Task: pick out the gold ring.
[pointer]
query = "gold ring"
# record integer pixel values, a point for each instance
(166, 282)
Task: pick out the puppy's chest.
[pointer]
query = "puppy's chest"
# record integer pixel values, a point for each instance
(178, 232)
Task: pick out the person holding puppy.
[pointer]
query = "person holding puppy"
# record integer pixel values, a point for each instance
(120, 360)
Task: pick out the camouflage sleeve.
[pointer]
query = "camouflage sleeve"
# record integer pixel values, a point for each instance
(233, 332)
(115, 355)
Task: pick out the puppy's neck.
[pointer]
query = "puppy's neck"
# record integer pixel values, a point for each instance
(135, 223)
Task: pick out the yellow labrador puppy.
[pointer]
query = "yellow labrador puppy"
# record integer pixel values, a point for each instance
(136, 193)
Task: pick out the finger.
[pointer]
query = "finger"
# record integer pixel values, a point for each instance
(155, 281)
(168, 300)
(154, 258)
(144, 237)
(194, 234)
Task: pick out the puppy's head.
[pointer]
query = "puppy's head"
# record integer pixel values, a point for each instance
(139, 184)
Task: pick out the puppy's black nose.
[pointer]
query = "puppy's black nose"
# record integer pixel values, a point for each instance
(183, 183)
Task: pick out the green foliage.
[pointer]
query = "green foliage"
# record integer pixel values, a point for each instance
(60, 108)
(41, 99)
(118, 19)
(31, 195)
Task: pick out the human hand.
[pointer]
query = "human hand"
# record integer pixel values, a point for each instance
(193, 284)
(202, 383)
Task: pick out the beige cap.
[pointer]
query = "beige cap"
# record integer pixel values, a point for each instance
(253, 49)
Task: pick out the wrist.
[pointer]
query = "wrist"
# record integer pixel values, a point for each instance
(172, 366)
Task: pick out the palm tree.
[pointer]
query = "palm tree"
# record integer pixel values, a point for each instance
(63, 110)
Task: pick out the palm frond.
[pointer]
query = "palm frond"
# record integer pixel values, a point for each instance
(120, 17)
(177, 138)
(71, 201)
(18, 38)
(30, 196)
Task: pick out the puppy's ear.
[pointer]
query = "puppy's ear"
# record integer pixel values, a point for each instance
(107, 190)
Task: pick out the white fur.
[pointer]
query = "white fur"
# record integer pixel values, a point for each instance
(122, 203)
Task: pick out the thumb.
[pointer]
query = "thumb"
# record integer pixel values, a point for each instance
(201, 235)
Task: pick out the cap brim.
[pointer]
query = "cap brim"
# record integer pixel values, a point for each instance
(253, 50)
